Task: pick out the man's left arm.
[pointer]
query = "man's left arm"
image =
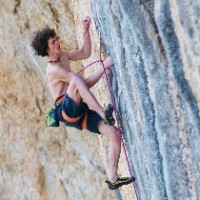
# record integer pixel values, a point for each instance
(85, 49)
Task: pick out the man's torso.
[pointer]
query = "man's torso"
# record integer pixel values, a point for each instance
(58, 87)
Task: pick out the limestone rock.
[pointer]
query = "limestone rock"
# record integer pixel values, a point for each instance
(38, 162)
(156, 82)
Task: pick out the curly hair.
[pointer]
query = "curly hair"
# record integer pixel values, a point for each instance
(40, 41)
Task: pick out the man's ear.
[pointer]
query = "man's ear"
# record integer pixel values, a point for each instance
(48, 51)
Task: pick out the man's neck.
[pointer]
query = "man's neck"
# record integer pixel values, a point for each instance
(54, 58)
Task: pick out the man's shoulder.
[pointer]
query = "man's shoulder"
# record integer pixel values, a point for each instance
(64, 52)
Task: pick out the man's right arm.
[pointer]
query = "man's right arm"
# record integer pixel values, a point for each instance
(94, 78)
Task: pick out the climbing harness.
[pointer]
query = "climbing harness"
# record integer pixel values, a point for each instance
(52, 119)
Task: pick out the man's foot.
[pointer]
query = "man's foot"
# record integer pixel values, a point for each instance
(109, 115)
(119, 182)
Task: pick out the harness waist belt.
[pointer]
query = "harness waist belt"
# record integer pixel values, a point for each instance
(70, 119)
(59, 99)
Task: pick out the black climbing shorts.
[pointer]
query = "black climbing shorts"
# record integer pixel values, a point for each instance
(89, 119)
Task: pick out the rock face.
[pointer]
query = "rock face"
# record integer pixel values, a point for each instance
(37, 162)
(156, 82)
(155, 45)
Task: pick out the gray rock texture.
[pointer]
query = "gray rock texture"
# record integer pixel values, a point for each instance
(155, 46)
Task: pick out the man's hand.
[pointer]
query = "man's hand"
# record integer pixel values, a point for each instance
(86, 23)
(108, 63)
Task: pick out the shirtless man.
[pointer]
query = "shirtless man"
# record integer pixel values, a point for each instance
(75, 104)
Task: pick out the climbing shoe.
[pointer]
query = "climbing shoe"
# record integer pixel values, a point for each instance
(109, 115)
(119, 182)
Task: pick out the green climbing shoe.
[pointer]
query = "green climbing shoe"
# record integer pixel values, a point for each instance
(119, 182)
(109, 115)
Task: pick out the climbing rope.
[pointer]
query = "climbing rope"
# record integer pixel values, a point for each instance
(114, 109)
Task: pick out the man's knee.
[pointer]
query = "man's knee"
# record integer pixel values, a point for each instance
(115, 135)
(75, 81)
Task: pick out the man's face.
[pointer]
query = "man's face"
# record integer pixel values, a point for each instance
(54, 44)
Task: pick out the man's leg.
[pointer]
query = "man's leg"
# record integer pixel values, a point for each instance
(112, 133)
(78, 90)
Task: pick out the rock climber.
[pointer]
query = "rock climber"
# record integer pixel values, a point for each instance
(75, 104)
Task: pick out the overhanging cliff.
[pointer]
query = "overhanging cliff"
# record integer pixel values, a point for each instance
(156, 87)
